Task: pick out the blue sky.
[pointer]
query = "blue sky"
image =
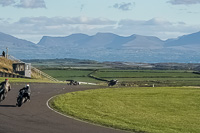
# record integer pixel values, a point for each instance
(32, 19)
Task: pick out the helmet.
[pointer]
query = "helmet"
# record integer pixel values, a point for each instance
(27, 85)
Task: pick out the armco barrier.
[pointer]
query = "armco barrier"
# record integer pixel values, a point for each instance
(10, 75)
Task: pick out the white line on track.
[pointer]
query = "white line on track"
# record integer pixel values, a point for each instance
(47, 103)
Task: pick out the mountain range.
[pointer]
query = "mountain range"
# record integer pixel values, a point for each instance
(102, 40)
(107, 47)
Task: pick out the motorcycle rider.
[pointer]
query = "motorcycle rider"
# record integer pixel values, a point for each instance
(6, 86)
(26, 92)
(112, 82)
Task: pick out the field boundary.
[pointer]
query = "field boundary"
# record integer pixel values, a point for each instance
(96, 78)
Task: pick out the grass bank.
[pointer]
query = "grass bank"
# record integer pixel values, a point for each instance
(154, 110)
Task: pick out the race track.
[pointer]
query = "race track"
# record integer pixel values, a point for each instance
(36, 117)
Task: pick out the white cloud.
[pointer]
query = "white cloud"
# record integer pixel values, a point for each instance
(24, 3)
(7, 2)
(33, 28)
(55, 26)
(31, 4)
(65, 21)
(123, 6)
(158, 27)
(157, 21)
(184, 2)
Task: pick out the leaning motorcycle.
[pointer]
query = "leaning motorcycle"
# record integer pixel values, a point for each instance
(2, 95)
(112, 82)
(21, 99)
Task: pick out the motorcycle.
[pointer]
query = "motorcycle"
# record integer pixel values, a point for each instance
(22, 98)
(2, 95)
(112, 82)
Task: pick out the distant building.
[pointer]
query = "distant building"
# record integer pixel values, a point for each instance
(22, 69)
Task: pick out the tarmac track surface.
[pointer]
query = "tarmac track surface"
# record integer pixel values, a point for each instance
(36, 117)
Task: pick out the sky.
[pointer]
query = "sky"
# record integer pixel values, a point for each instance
(33, 19)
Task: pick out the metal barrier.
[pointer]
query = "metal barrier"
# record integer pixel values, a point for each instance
(43, 74)
(10, 75)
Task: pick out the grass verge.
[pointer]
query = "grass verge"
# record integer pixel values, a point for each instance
(27, 80)
(155, 110)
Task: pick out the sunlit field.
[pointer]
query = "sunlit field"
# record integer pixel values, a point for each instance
(131, 77)
(154, 110)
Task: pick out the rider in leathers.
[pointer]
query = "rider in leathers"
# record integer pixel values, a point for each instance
(6, 86)
(26, 92)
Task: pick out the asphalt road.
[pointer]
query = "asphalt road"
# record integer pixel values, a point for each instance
(36, 117)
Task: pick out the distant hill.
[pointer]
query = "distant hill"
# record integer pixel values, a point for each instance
(18, 47)
(102, 40)
(144, 42)
(13, 42)
(107, 47)
(191, 39)
(71, 40)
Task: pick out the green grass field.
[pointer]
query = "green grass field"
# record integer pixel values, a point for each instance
(131, 77)
(68, 74)
(150, 77)
(154, 110)
(146, 74)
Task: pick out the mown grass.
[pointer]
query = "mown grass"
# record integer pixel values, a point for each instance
(154, 110)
